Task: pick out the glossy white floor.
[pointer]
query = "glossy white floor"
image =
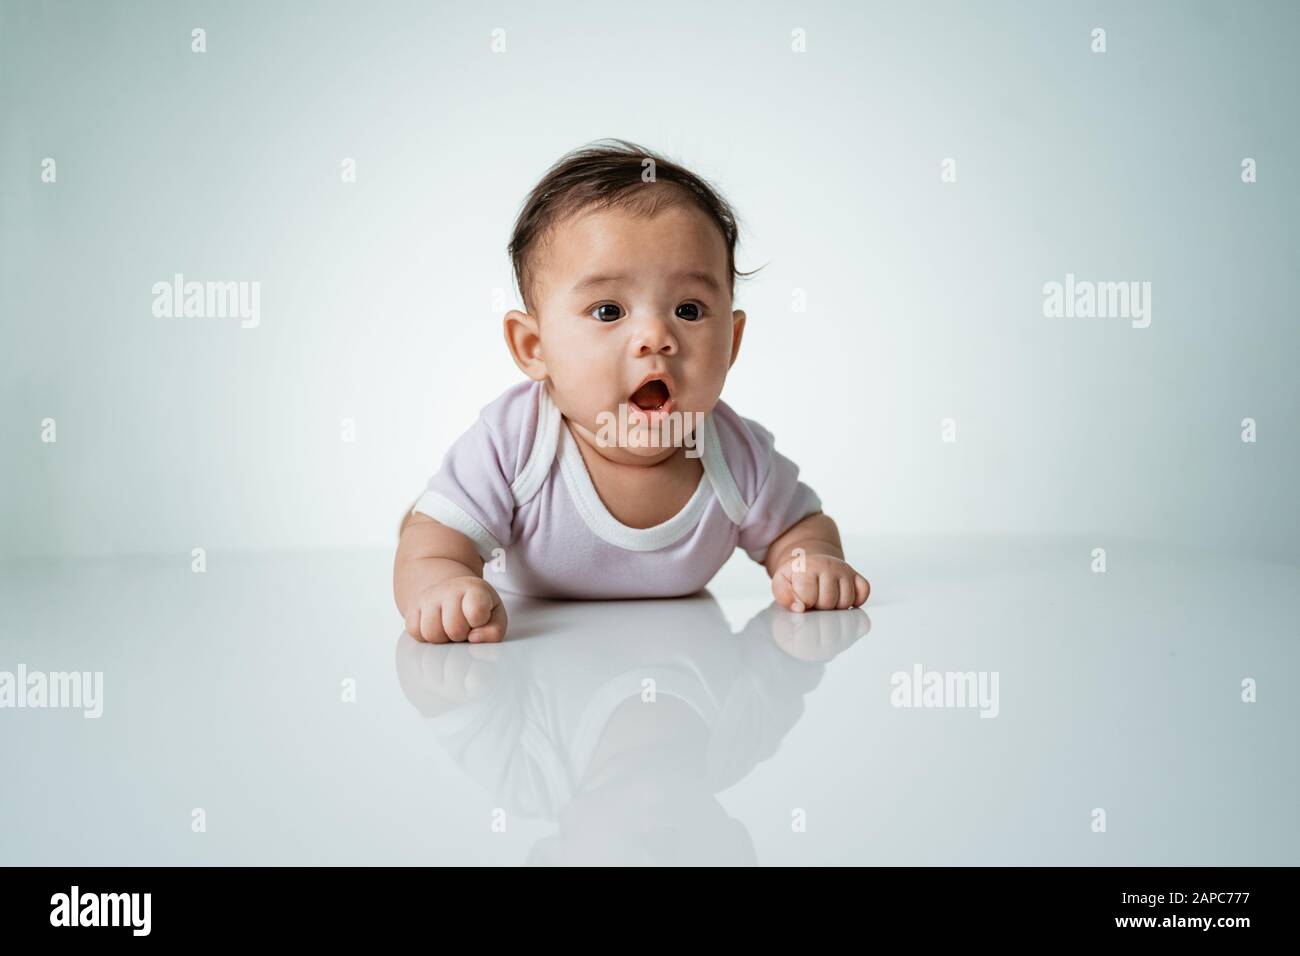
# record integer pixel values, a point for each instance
(712, 729)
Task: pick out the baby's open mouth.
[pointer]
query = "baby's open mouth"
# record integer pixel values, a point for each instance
(650, 396)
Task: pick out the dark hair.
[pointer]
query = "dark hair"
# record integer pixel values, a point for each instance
(609, 173)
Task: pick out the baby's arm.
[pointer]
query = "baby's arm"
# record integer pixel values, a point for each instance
(439, 587)
(808, 571)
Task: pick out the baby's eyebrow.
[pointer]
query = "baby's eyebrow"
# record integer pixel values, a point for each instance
(591, 281)
(694, 275)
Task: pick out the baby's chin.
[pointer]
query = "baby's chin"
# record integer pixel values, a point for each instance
(647, 436)
(652, 452)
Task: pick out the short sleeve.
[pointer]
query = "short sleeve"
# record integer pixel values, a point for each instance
(781, 502)
(471, 491)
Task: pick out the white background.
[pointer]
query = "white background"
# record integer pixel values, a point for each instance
(924, 299)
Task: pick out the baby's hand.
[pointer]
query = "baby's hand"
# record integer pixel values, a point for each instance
(824, 583)
(458, 609)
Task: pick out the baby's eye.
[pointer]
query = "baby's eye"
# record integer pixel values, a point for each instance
(600, 312)
(689, 311)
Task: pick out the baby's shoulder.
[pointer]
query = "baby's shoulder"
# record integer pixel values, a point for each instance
(746, 446)
(507, 425)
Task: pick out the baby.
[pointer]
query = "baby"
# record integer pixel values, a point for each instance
(616, 471)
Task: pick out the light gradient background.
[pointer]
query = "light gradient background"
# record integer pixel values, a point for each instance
(924, 299)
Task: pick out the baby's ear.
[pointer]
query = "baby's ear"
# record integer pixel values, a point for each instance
(737, 333)
(525, 344)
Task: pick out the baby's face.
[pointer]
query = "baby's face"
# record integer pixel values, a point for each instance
(622, 298)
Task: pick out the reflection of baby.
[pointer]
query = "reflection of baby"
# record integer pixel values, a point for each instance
(624, 729)
(617, 471)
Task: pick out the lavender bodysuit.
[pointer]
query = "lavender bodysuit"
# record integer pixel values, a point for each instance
(516, 485)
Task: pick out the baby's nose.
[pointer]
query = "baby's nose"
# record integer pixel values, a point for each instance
(654, 335)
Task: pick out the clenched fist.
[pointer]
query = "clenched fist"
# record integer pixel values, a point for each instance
(458, 609)
(824, 583)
